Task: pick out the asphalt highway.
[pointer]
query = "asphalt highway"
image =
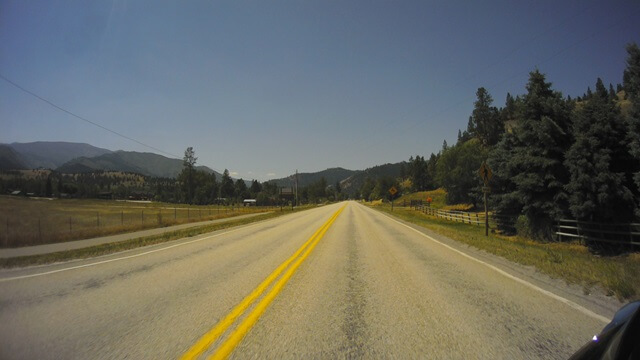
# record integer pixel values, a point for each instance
(339, 281)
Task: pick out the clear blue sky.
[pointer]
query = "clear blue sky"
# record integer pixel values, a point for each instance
(263, 88)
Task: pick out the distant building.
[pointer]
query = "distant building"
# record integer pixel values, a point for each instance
(105, 195)
(250, 202)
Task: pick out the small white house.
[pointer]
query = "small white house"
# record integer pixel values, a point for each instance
(249, 202)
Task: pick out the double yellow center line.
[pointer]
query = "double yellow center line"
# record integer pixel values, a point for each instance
(225, 349)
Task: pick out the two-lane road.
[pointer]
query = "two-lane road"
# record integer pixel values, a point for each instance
(368, 287)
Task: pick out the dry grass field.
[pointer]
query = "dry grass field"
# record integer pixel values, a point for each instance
(31, 221)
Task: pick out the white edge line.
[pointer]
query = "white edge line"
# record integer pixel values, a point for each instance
(568, 302)
(126, 257)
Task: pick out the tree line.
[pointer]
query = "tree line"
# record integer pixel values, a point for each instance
(198, 187)
(552, 156)
(191, 186)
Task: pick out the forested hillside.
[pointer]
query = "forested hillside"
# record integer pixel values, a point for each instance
(551, 156)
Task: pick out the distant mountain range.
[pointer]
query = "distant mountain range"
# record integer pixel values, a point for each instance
(66, 157)
(10, 159)
(51, 155)
(148, 164)
(354, 183)
(350, 180)
(332, 176)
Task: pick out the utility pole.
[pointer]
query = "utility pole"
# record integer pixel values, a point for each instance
(296, 187)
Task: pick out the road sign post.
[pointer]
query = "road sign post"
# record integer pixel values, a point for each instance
(392, 191)
(486, 216)
(486, 174)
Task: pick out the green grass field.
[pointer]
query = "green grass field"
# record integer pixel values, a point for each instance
(618, 275)
(31, 221)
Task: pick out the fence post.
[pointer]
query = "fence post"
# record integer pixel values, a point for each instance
(142, 217)
(175, 214)
(122, 217)
(39, 230)
(98, 218)
(580, 239)
(69, 225)
(558, 235)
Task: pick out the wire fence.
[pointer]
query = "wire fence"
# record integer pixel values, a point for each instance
(72, 224)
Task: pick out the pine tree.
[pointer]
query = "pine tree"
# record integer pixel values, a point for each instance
(418, 173)
(596, 161)
(612, 93)
(240, 190)
(509, 110)
(457, 171)
(255, 188)
(432, 171)
(189, 162)
(485, 119)
(503, 197)
(632, 90)
(542, 136)
(226, 185)
(471, 131)
(631, 77)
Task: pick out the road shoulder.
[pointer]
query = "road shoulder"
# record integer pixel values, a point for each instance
(596, 301)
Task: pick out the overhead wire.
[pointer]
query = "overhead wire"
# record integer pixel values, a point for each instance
(85, 119)
(412, 126)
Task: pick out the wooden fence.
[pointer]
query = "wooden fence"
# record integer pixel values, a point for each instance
(588, 232)
(565, 230)
(452, 215)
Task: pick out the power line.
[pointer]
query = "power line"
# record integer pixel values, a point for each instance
(85, 119)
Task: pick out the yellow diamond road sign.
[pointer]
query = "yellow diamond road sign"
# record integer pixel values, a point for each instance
(393, 190)
(485, 172)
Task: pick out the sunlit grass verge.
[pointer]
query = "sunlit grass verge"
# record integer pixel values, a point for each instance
(438, 197)
(110, 248)
(617, 275)
(438, 200)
